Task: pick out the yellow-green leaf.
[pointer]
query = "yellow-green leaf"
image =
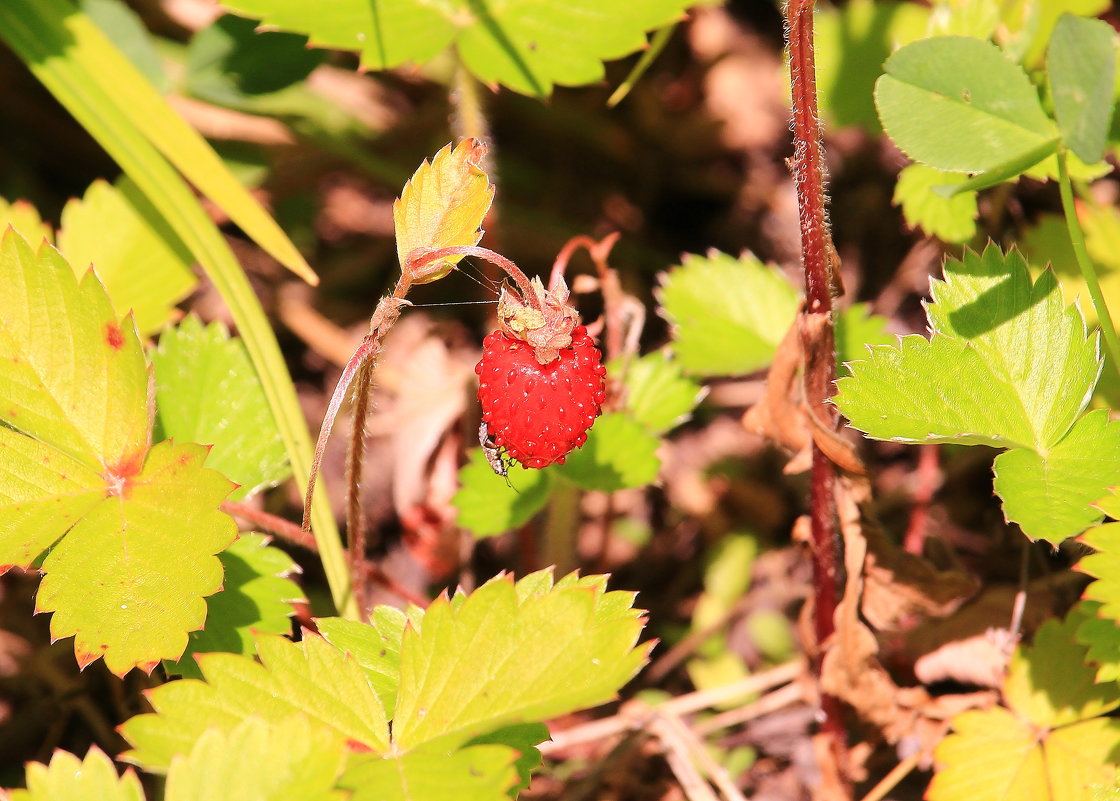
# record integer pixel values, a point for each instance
(68, 778)
(443, 206)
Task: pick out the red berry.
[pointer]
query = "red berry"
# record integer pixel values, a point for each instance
(539, 412)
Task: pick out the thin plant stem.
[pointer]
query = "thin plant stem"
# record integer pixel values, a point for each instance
(355, 456)
(1077, 239)
(818, 257)
(660, 38)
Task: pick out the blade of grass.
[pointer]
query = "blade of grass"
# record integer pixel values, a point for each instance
(88, 49)
(35, 30)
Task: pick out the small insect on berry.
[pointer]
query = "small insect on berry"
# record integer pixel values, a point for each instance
(493, 453)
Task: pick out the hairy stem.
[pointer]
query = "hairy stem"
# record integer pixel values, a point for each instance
(818, 257)
(1088, 272)
(511, 269)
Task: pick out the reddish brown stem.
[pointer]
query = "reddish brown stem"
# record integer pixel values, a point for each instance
(285, 529)
(609, 284)
(498, 259)
(817, 256)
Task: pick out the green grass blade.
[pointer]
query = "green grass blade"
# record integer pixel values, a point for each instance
(40, 33)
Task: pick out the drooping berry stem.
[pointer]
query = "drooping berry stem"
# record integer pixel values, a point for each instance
(511, 269)
(817, 256)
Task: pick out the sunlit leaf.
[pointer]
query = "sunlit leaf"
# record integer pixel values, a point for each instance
(375, 646)
(443, 205)
(256, 597)
(527, 46)
(68, 778)
(232, 415)
(657, 394)
(478, 773)
(951, 219)
(959, 104)
(141, 262)
(1081, 65)
(619, 453)
(488, 505)
(509, 654)
(259, 760)
(728, 315)
(311, 677)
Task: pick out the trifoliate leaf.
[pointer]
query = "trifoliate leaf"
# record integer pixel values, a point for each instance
(1008, 366)
(857, 330)
(527, 46)
(509, 654)
(1049, 744)
(311, 677)
(728, 314)
(443, 206)
(951, 219)
(256, 597)
(68, 778)
(1053, 493)
(1081, 66)
(619, 453)
(959, 104)
(478, 773)
(141, 262)
(232, 414)
(74, 390)
(24, 217)
(261, 760)
(375, 646)
(488, 505)
(658, 395)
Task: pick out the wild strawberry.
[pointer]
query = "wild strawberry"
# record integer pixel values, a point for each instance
(540, 378)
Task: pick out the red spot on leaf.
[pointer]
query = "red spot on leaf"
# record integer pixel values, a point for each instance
(357, 747)
(114, 336)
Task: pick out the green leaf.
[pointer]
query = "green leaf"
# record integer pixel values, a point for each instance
(527, 46)
(658, 395)
(619, 453)
(144, 266)
(1081, 66)
(959, 104)
(1101, 636)
(67, 778)
(261, 760)
(1049, 744)
(522, 738)
(256, 597)
(375, 646)
(488, 506)
(230, 59)
(950, 219)
(1024, 331)
(1050, 495)
(1008, 365)
(728, 314)
(1103, 565)
(1028, 161)
(25, 218)
(478, 773)
(511, 654)
(78, 474)
(311, 677)
(110, 99)
(232, 414)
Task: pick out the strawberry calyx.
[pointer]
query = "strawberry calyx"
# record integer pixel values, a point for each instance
(544, 321)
